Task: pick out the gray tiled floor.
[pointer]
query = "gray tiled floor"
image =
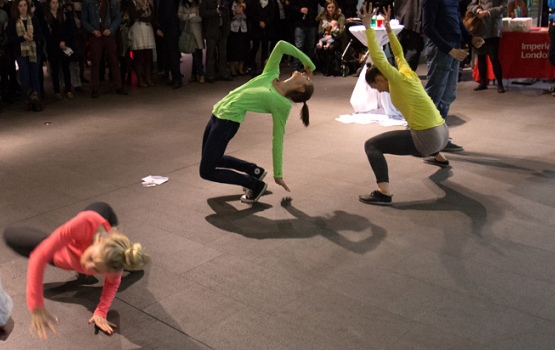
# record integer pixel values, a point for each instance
(462, 260)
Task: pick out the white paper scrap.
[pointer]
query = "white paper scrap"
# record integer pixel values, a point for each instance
(154, 180)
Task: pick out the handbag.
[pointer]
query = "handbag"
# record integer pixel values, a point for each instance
(187, 42)
(472, 23)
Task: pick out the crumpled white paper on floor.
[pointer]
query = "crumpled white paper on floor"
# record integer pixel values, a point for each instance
(153, 180)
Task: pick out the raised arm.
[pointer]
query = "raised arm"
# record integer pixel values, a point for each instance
(284, 48)
(376, 53)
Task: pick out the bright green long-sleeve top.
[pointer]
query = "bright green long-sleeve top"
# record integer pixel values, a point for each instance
(407, 92)
(259, 95)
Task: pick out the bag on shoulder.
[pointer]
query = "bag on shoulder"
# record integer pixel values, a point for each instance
(472, 23)
(187, 42)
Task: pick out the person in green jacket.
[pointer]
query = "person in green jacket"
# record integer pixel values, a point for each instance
(427, 134)
(263, 94)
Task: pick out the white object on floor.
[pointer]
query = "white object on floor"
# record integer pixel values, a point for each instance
(376, 116)
(153, 180)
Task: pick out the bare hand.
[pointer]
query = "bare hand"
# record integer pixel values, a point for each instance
(458, 54)
(367, 14)
(387, 18)
(106, 32)
(262, 24)
(481, 14)
(103, 324)
(477, 42)
(308, 71)
(40, 321)
(304, 10)
(97, 33)
(63, 45)
(159, 33)
(281, 183)
(6, 329)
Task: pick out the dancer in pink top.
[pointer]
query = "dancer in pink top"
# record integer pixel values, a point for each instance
(89, 244)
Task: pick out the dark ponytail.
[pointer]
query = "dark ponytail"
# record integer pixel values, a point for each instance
(305, 114)
(302, 96)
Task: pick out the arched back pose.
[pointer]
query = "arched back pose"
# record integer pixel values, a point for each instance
(88, 244)
(263, 94)
(427, 133)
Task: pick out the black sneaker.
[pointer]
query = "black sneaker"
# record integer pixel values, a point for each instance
(452, 147)
(259, 174)
(434, 161)
(121, 91)
(253, 195)
(376, 198)
(94, 94)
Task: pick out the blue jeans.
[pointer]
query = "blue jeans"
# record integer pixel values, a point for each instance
(305, 40)
(28, 75)
(216, 137)
(443, 76)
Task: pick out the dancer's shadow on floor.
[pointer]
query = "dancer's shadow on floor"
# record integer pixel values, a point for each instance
(245, 223)
(536, 185)
(455, 199)
(87, 293)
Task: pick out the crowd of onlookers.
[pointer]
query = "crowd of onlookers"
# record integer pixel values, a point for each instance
(226, 38)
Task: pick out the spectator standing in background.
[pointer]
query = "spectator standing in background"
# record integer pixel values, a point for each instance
(442, 24)
(167, 32)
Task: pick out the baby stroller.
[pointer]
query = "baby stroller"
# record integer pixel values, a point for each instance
(354, 55)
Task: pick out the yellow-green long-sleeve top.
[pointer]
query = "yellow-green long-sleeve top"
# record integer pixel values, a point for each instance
(259, 95)
(407, 92)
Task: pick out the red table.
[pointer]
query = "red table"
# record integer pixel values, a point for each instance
(523, 55)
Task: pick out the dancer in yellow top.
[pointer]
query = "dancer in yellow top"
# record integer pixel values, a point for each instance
(427, 133)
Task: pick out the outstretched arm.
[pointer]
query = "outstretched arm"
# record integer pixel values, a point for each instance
(284, 48)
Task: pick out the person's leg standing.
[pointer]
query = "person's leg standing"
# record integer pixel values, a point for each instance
(54, 61)
(24, 75)
(222, 55)
(483, 70)
(96, 53)
(440, 66)
(210, 59)
(496, 64)
(299, 44)
(111, 52)
(66, 73)
(310, 42)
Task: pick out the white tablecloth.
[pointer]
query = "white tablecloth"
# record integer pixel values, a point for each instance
(364, 98)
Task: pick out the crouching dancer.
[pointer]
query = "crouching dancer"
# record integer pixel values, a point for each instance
(263, 94)
(427, 133)
(88, 244)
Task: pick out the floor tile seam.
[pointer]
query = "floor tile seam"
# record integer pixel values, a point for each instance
(325, 335)
(473, 260)
(160, 320)
(475, 297)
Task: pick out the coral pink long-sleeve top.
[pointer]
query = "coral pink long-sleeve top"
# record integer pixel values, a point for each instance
(64, 248)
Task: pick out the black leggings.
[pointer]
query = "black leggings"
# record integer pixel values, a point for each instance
(23, 240)
(493, 46)
(397, 142)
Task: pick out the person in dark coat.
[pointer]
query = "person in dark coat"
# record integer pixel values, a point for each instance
(216, 19)
(166, 29)
(409, 14)
(261, 15)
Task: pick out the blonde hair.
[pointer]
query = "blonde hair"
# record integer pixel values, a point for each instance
(119, 253)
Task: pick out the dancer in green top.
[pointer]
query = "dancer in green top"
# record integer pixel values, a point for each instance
(263, 94)
(427, 133)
